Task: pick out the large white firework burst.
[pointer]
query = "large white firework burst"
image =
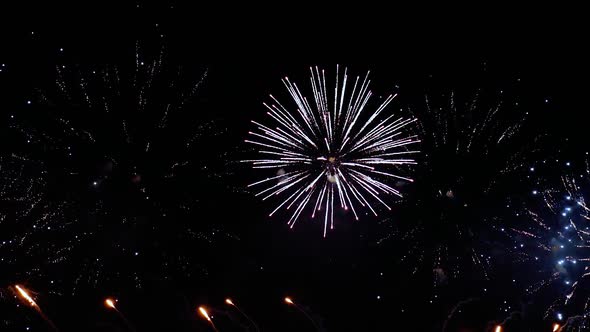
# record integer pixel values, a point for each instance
(335, 150)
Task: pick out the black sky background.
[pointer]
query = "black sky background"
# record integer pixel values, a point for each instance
(338, 278)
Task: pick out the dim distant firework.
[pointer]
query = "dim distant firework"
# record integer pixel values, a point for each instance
(469, 149)
(99, 155)
(335, 150)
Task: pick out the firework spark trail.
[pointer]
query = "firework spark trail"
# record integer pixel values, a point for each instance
(330, 153)
(110, 303)
(205, 315)
(231, 303)
(290, 302)
(24, 294)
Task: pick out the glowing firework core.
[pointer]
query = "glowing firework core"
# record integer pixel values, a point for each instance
(109, 303)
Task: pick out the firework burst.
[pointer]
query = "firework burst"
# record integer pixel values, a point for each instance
(551, 234)
(104, 153)
(335, 150)
(470, 152)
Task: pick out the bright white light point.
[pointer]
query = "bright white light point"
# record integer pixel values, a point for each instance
(568, 208)
(559, 316)
(534, 192)
(567, 282)
(61, 49)
(532, 169)
(378, 297)
(563, 214)
(560, 262)
(568, 197)
(574, 261)
(522, 245)
(567, 164)
(109, 303)
(561, 246)
(136, 253)
(95, 183)
(28, 102)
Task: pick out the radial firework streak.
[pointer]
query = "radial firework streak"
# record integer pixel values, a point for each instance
(331, 152)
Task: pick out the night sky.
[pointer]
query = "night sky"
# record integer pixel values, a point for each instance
(120, 176)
